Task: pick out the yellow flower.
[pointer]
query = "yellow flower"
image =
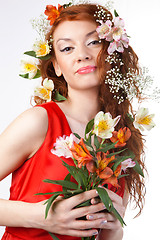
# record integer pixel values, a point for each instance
(44, 92)
(41, 48)
(29, 66)
(104, 124)
(143, 120)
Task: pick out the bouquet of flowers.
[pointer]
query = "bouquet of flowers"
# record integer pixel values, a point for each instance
(97, 162)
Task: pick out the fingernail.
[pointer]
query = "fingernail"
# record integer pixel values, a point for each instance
(90, 217)
(104, 221)
(95, 233)
(104, 207)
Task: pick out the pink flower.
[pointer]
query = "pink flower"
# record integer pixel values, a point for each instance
(128, 163)
(104, 30)
(63, 145)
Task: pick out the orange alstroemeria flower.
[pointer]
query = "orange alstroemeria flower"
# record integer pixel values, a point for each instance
(103, 171)
(81, 153)
(52, 12)
(121, 136)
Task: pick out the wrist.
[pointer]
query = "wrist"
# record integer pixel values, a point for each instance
(110, 234)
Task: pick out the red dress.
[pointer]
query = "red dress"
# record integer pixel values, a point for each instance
(28, 179)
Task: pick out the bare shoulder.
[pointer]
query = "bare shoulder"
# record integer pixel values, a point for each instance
(22, 139)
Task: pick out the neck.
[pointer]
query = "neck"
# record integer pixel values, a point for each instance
(83, 105)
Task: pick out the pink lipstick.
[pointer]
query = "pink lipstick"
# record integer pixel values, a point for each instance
(87, 69)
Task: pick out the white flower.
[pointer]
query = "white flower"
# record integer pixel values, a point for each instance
(128, 163)
(48, 84)
(104, 30)
(29, 66)
(143, 120)
(63, 145)
(44, 92)
(41, 48)
(104, 124)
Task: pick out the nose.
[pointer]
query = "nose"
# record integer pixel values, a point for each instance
(83, 54)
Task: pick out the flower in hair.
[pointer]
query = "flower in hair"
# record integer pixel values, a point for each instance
(104, 30)
(115, 34)
(29, 68)
(143, 120)
(41, 48)
(52, 12)
(44, 92)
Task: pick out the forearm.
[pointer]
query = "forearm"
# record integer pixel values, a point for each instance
(110, 234)
(17, 213)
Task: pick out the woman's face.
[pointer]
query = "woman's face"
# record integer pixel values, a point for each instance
(77, 46)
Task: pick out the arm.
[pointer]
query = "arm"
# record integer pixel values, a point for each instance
(19, 142)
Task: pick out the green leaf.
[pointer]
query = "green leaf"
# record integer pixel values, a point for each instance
(89, 126)
(96, 142)
(116, 153)
(38, 74)
(53, 236)
(138, 169)
(130, 117)
(115, 13)
(118, 216)
(77, 136)
(107, 146)
(63, 183)
(123, 175)
(67, 178)
(118, 161)
(49, 203)
(24, 75)
(84, 204)
(105, 198)
(59, 97)
(33, 54)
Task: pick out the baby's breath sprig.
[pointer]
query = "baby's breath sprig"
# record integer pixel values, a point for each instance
(41, 25)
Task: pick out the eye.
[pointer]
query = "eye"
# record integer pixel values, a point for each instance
(66, 49)
(95, 42)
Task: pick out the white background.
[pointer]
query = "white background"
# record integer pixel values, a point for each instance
(142, 24)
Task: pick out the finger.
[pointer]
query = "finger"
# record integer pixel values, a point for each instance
(102, 215)
(111, 225)
(83, 211)
(85, 224)
(82, 233)
(80, 198)
(95, 200)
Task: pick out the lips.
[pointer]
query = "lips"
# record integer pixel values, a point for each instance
(87, 69)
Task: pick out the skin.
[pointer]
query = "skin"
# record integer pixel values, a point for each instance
(81, 49)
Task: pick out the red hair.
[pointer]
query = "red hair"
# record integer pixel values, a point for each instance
(134, 182)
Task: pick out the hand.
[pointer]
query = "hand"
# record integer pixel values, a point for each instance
(64, 218)
(110, 221)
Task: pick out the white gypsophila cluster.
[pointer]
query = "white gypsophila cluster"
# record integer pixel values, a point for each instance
(114, 58)
(41, 25)
(129, 84)
(101, 14)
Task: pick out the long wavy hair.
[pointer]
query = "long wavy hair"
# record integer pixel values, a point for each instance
(134, 182)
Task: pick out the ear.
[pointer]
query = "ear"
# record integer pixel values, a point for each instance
(57, 68)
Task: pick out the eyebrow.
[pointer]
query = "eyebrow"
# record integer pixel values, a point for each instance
(68, 39)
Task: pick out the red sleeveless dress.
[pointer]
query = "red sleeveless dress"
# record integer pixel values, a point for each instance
(28, 179)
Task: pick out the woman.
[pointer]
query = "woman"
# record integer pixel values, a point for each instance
(78, 69)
